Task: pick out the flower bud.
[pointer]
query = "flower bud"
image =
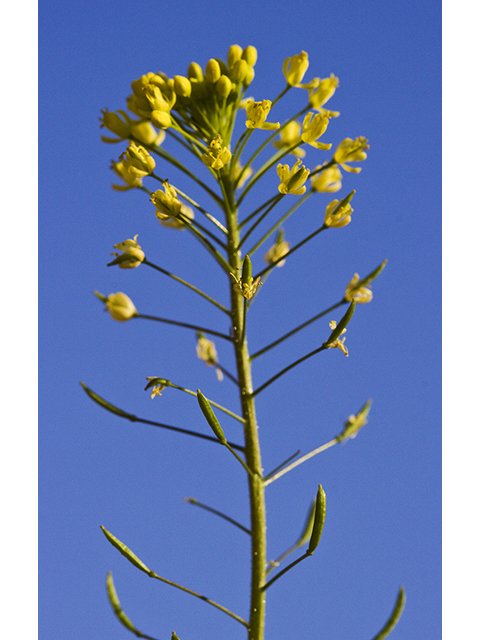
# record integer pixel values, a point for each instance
(195, 71)
(239, 71)
(250, 55)
(295, 68)
(212, 71)
(224, 86)
(114, 123)
(182, 86)
(120, 307)
(234, 54)
(161, 119)
(144, 132)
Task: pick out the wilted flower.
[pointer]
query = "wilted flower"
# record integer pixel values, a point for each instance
(360, 294)
(207, 352)
(132, 255)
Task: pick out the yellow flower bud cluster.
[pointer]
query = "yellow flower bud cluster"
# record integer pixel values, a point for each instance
(153, 98)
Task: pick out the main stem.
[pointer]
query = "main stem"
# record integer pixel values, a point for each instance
(252, 444)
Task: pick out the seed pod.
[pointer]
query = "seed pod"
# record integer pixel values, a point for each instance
(116, 606)
(247, 270)
(210, 417)
(320, 511)
(125, 551)
(337, 332)
(308, 527)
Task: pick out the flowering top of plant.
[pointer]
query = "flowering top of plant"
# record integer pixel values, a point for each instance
(196, 114)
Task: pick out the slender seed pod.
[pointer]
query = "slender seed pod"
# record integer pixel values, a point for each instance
(320, 511)
(210, 417)
(116, 606)
(247, 270)
(106, 405)
(394, 617)
(337, 332)
(343, 202)
(125, 551)
(308, 527)
(371, 276)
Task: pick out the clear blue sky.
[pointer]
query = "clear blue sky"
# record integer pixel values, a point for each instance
(383, 488)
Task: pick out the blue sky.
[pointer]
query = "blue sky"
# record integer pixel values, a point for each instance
(383, 488)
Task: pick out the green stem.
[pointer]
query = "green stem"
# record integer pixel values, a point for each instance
(187, 284)
(254, 213)
(283, 571)
(259, 220)
(293, 331)
(290, 366)
(252, 445)
(304, 458)
(152, 574)
(187, 325)
(218, 513)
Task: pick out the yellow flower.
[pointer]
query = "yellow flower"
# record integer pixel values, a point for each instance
(257, 113)
(314, 128)
(351, 151)
(277, 251)
(144, 132)
(337, 343)
(338, 215)
(207, 352)
(247, 289)
(114, 123)
(291, 180)
(137, 161)
(166, 203)
(322, 93)
(295, 68)
(121, 169)
(217, 156)
(358, 293)
(119, 306)
(132, 255)
(328, 180)
(289, 136)
(176, 223)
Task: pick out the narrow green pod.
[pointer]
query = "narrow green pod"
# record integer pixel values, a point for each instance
(371, 276)
(247, 270)
(125, 551)
(395, 616)
(115, 602)
(210, 417)
(106, 405)
(337, 332)
(319, 521)
(308, 527)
